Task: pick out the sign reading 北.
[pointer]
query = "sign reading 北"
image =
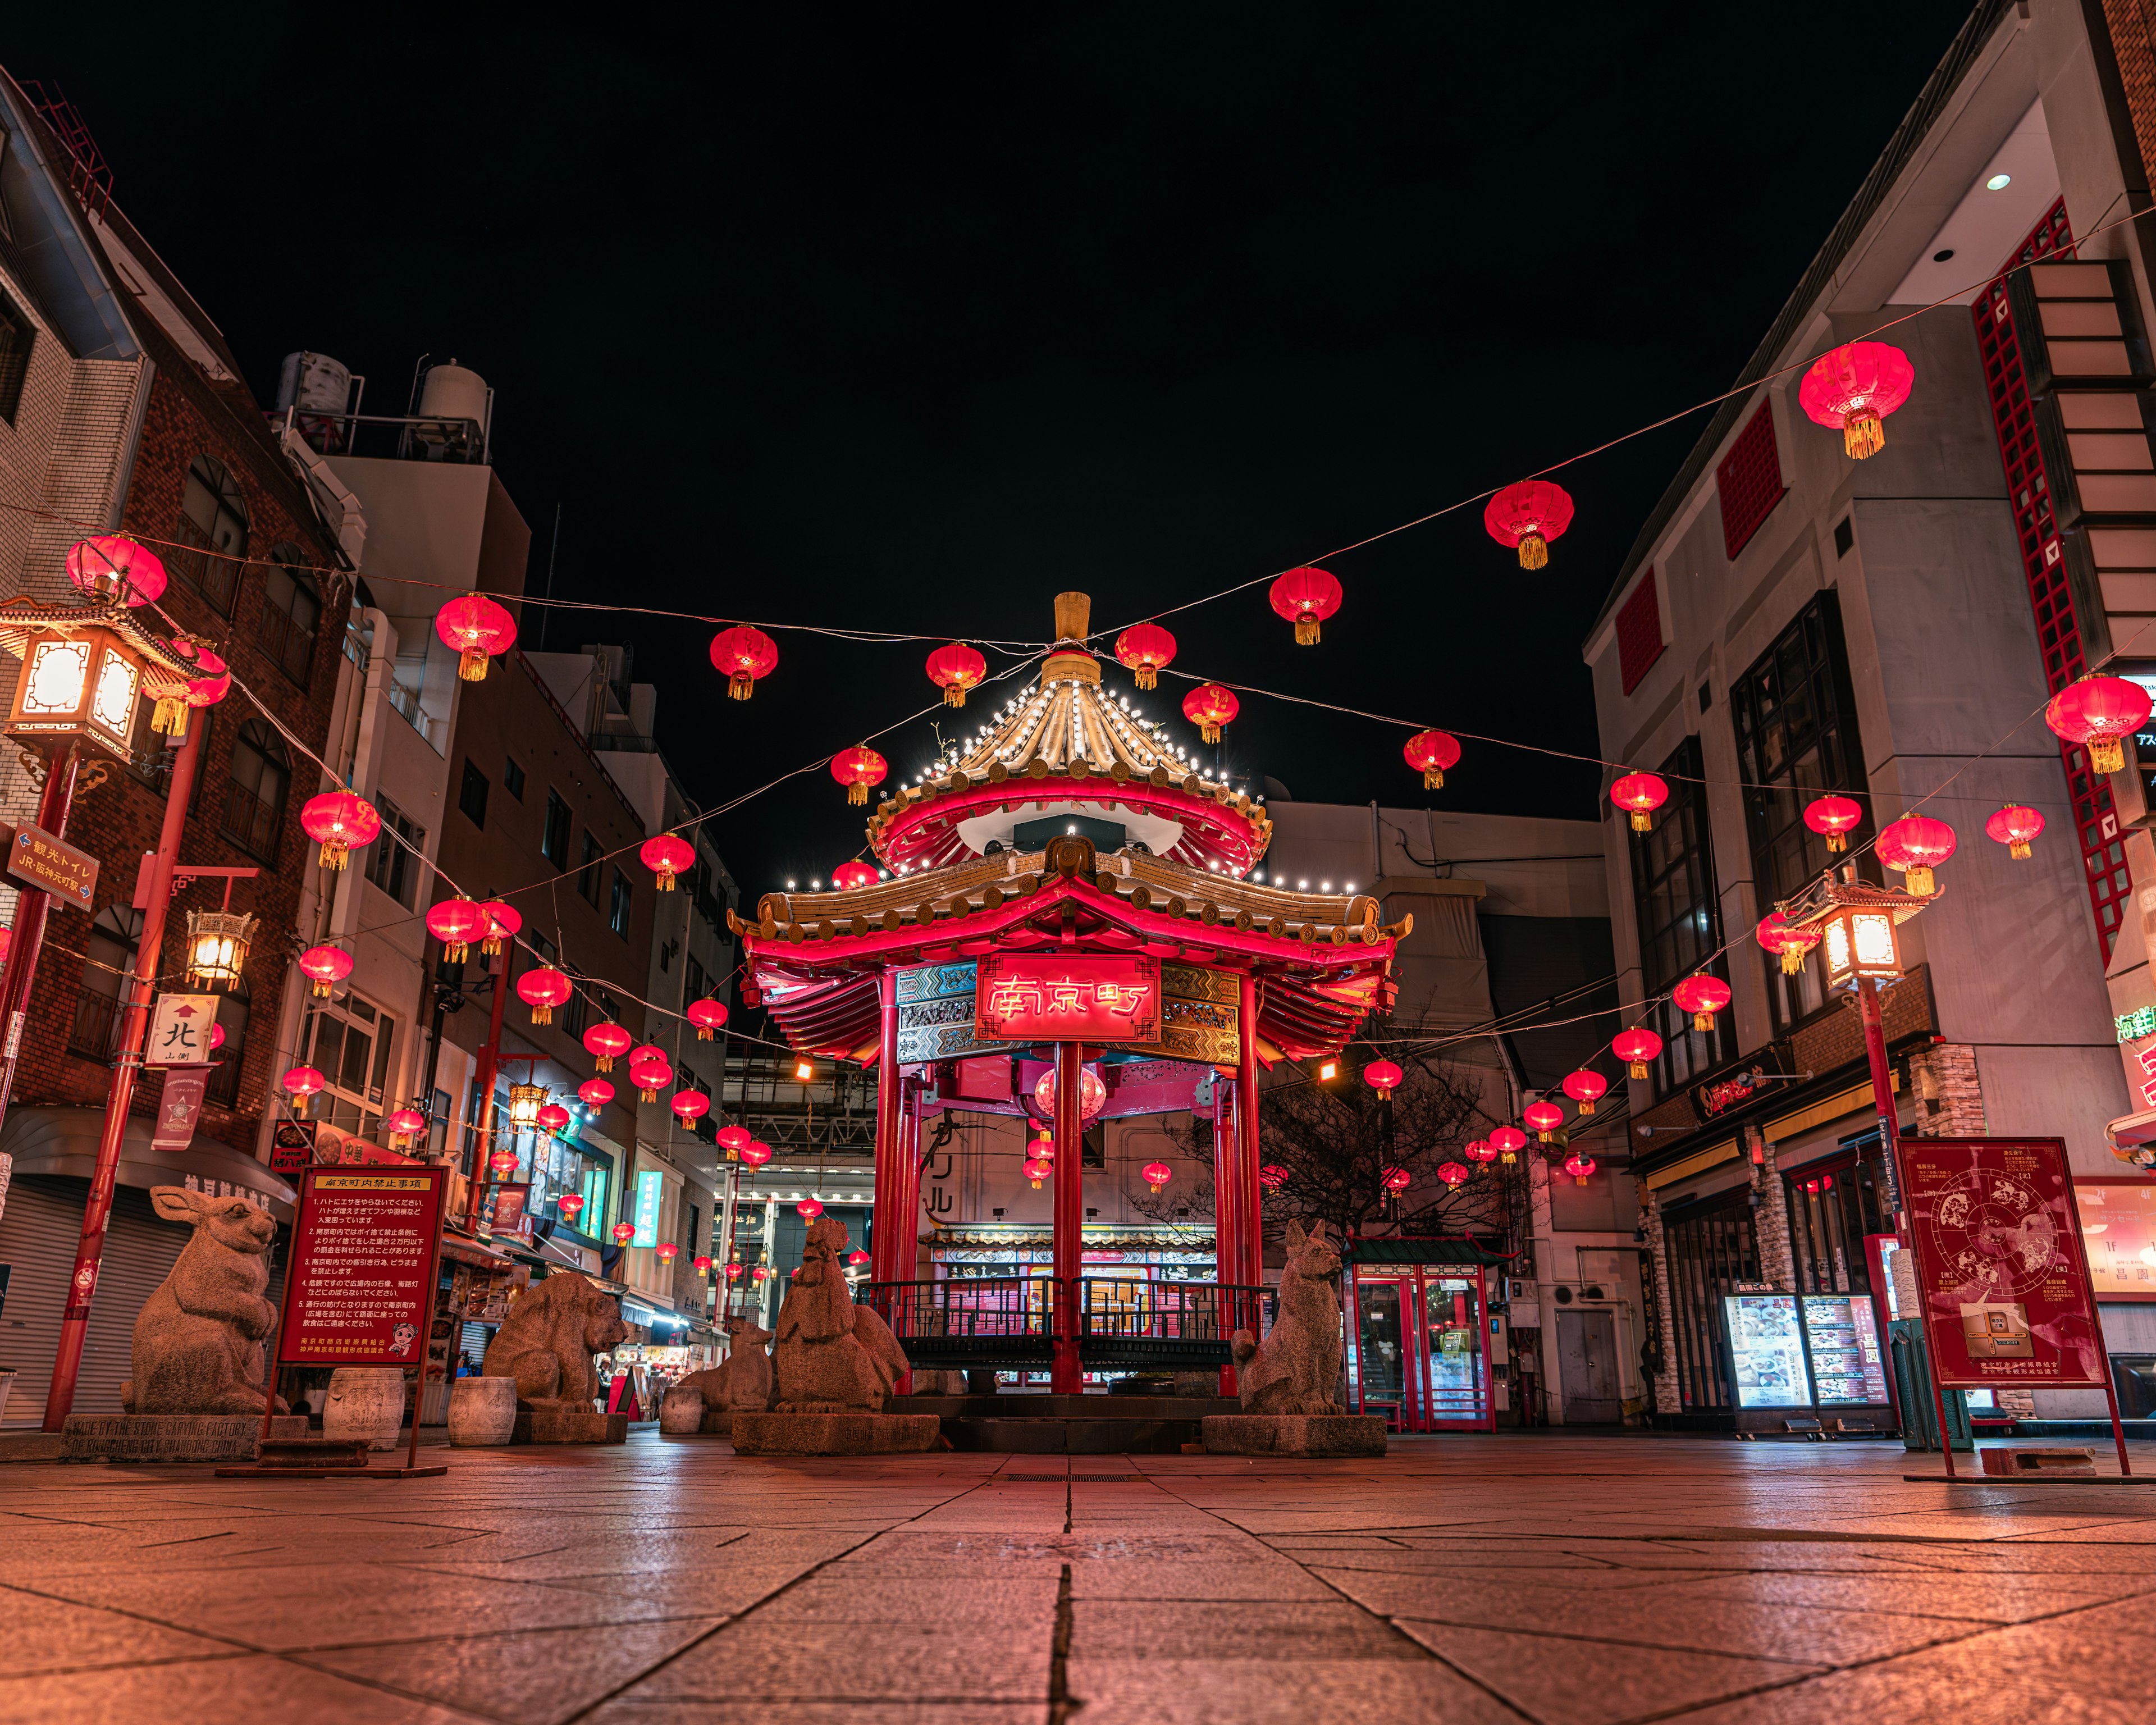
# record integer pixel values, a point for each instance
(37, 858)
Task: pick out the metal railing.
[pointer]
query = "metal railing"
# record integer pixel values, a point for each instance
(1129, 1322)
(1004, 1321)
(1010, 1321)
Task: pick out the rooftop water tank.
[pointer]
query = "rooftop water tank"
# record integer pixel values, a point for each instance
(451, 391)
(314, 384)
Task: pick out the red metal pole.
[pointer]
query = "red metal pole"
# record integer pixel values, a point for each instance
(1227, 1227)
(1882, 1094)
(28, 935)
(1067, 1378)
(140, 989)
(1250, 1260)
(490, 1063)
(886, 1210)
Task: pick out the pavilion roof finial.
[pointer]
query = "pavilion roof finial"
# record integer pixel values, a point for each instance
(1074, 612)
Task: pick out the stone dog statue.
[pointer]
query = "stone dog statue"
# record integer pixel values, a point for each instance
(198, 1339)
(833, 1357)
(740, 1383)
(547, 1340)
(1297, 1368)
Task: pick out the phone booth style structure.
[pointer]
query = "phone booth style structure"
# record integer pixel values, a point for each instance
(1417, 1316)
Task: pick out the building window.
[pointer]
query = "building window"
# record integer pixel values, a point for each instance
(471, 795)
(260, 774)
(618, 906)
(351, 1048)
(1749, 480)
(291, 613)
(1710, 1247)
(554, 836)
(1833, 1205)
(211, 532)
(587, 872)
(98, 1016)
(1680, 922)
(578, 1011)
(696, 982)
(1796, 730)
(1639, 633)
(233, 1010)
(18, 334)
(389, 865)
(512, 778)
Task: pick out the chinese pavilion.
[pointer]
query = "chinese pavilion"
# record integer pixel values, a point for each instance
(1067, 887)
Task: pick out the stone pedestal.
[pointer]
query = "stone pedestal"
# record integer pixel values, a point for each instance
(681, 1413)
(173, 1437)
(1295, 1434)
(717, 1419)
(482, 1411)
(365, 1402)
(568, 1425)
(834, 1434)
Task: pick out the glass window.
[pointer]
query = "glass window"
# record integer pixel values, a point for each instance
(1680, 922)
(512, 778)
(618, 908)
(291, 613)
(99, 1019)
(1710, 1246)
(260, 774)
(554, 836)
(351, 1048)
(1796, 732)
(233, 1010)
(588, 873)
(17, 336)
(471, 797)
(211, 532)
(1832, 1207)
(389, 866)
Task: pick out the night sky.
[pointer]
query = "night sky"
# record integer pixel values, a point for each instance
(907, 321)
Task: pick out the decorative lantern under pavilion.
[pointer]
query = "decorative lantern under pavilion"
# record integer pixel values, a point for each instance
(1860, 941)
(524, 1102)
(79, 679)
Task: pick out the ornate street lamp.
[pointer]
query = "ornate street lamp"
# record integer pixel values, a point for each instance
(81, 676)
(524, 1102)
(217, 947)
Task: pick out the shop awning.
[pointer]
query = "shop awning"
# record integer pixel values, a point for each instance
(63, 1141)
(1452, 1251)
(457, 1248)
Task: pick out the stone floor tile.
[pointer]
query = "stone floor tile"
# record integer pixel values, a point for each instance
(37, 1633)
(1561, 1681)
(215, 1693)
(630, 1710)
(1201, 1692)
(1206, 1630)
(833, 1596)
(1988, 1597)
(916, 1662)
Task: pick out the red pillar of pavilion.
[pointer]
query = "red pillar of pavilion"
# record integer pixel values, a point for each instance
(885, 1264)
(1064, 1377)
(1251, 1257)
(1227, 1225)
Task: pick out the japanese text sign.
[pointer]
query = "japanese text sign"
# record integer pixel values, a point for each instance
(2118, 1235)
(292, 1146)
(179, 1030)
(359, 1288)
(650, 1188)
(2000, 1273)
(1027, 997)
(35, 857)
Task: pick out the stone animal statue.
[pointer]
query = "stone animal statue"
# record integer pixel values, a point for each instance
(547, 1340)
(198, 1339)
(1296, 1368)
(740, 1383)
(833, 1357)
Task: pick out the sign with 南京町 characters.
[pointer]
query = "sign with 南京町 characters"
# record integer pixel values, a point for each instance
(1098, 998)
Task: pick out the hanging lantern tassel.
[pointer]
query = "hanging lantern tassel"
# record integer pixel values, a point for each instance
(169, 717)
(1534, 552)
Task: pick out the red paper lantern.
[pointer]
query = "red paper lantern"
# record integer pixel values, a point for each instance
(650, 1078)
(1792, 945)
(1093, 1094)
(1430, 753)
(1545, 1118)
(595, 1093)
(1639, 794)
(300, 1083)
(216, 1031)
(1272, 1176)
(755, 1152)
(809, 1208)
(733, 1140)
(1636, 1047)
(856, 1259)
(474, 627)
(852, 876)
(1702, 996)
(1306, 597)
(1157, 1174)
(1835, 818)
(406, 1124)
(542, 990)
(956, 669)
(707, 1015)
(111, 565)
(570, 1204)
(1853, 388)
(646, 1054)
(624, 1232)
(1586, 1089)
(1481, 1150)
(1508, 1141)
(206, 681)
(666, 855)
(666, 1251)
(503, 1163)
(2016, 826)
(1579, 1166)
(1529, 514)
(502, 922)
(327, 966)
(1383, 1077)
(606, 1042)
(553, 1118)
(744, 654)
(1915, 845)
(456, 923)
(689, 1105)
(1209, 706)
(733, 1272)
(2098, 711)
(1036, 1170)
(857, 768)
(1453, 1174)
(760, 1273)
(1398, 1180)
(703, 1264)
(339, 820)
(1145, 649)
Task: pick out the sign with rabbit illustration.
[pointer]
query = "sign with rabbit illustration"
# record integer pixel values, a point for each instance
(361, 1287)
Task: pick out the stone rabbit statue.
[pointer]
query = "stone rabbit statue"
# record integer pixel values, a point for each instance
(198, 1339)
(742, 1383)
(833, 1357)
(547, 1340)
(1296, 1368)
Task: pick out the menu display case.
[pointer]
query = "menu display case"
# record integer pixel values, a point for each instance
(1842, 1340)
(1767, 1351)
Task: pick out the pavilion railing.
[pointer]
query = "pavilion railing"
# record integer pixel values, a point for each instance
(967, 1322)
(1127, 1322)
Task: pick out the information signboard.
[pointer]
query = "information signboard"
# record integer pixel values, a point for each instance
(2000, 1270)
(1023, 998)
(38, 859)
(2118, 1234)
(360, 1288)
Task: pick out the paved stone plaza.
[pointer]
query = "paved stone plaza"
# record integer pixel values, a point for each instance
(1574, 1581)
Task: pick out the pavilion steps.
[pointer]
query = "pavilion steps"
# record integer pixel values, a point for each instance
(1029, 1424)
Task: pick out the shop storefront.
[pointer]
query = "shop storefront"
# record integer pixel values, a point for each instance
(1419, 1333)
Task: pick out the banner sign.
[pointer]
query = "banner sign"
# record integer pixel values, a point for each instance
(180, 1107)
(179, 1030)
(506, 1209)
(359, 1290)
(1022, 998)
(38, 859)
(292, 1146)
(2000, 1270)
(650, 1188)
(2118, 1234)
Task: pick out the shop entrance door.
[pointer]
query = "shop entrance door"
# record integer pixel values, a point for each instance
(1587, 1368)
(1456, 1370)
(1384, 1368)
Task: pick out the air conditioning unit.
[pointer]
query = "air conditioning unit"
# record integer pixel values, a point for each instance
(1582, 1293)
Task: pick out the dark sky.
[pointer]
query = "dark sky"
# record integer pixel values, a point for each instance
(907, 320)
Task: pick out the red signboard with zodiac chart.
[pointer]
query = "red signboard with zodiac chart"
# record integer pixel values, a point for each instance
(1022, 998)
(2005, 1285)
